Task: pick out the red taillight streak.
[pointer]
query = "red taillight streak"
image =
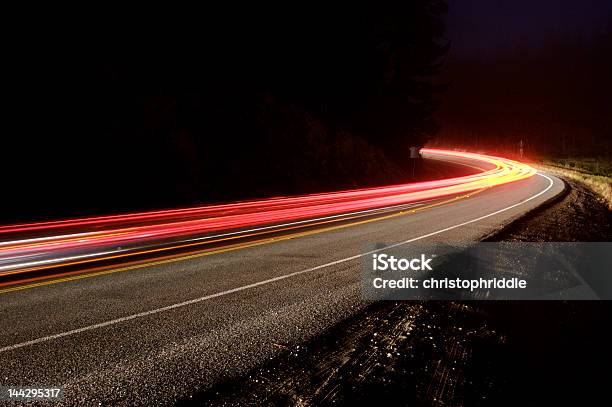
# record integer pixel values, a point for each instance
(119, 230)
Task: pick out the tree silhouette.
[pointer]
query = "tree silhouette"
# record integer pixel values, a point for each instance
(230, 105)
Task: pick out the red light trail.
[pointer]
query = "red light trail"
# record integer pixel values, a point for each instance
(35, 246)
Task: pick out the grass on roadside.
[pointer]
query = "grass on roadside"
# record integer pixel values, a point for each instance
(599, 181)
(590, 165)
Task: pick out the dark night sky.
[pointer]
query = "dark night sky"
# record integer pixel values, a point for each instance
(528, 69)
(476, 26)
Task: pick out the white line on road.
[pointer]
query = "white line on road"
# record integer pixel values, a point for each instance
(13, 268)
(264, 282)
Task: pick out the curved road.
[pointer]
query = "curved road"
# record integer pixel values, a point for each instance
(157, 332)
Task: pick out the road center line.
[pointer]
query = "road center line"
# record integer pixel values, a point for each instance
(264, 282)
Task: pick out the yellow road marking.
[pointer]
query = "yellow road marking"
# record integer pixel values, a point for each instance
(228, 249)
(182, 245)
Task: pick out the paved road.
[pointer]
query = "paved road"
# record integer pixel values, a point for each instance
(155, 334)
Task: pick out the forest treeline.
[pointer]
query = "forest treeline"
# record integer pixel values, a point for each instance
(228, 105)
(554, 96)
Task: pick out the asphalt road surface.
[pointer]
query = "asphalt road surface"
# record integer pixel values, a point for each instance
(156, 333)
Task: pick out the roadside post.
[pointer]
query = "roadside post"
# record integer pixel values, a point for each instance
(414, 154)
